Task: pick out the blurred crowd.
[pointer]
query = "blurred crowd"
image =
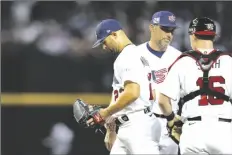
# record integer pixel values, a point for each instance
(37, 35)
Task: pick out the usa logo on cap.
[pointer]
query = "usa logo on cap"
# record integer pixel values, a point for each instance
(172, 18)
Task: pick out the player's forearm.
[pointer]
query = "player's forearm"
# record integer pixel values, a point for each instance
(124, 100)
(165, 104)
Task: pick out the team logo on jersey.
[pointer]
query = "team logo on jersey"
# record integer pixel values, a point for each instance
(144, 61)
(159, 75)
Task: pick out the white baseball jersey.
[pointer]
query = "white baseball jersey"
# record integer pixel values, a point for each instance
(158, 67)
(186, 75)
(129, 67)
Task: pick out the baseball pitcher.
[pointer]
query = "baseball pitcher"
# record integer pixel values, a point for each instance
(130, 105)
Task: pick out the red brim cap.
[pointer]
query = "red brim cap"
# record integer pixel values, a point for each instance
(205, 33)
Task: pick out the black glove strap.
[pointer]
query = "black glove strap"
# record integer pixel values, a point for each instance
(170, 117)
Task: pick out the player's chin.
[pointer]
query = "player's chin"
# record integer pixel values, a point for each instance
(164, 46)
(166, 42)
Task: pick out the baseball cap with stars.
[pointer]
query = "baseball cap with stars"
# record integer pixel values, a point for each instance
(164, 18)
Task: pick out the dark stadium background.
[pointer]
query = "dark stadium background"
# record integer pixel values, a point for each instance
(47, 62)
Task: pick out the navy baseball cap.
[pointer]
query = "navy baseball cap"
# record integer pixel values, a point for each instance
(104, 29)
(164, 18)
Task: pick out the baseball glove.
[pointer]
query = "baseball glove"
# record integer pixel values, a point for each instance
(174, 129)
(83, 112)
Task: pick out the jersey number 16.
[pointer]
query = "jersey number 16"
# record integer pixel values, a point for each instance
(205, 99)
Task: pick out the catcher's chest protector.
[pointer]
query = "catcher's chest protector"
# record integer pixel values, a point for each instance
(205, 62)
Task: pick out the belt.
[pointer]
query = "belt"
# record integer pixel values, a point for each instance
(159, 115)
(198, 118)
(124, 118)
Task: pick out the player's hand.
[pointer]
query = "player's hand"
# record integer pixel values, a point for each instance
(174, 127)
(98, 117)
(110, 139)
(175, 119)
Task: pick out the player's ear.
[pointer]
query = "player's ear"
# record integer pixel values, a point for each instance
(151, 27)
(194, 37)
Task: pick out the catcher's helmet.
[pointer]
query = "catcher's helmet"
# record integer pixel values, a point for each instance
(202, 26)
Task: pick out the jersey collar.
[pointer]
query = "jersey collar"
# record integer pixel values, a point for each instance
(205, 51)
(156, 53)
